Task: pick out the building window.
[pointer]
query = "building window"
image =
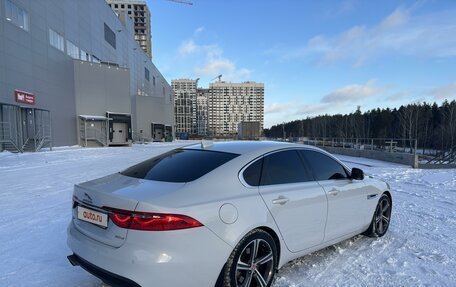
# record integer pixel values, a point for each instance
(153, 78)
(72, 50)
(129, 6)
(85, 56)
(17, 16)
(116, 6)
(56, 40)
(110, 36)
(147, 74)
(122, 6)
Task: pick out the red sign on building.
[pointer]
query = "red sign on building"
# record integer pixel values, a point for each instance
(24, 97)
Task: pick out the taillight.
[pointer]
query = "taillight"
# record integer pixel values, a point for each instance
(151, 221)
(121, 220)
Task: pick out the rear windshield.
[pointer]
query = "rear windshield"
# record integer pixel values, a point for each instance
(181, 165)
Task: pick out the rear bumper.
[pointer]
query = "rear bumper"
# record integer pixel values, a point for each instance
(105, 276)
(190, 257)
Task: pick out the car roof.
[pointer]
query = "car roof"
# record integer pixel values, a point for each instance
(246, 147)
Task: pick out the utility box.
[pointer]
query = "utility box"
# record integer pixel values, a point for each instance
(249, 131)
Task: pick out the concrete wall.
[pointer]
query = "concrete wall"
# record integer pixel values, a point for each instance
(402, 158)
(152, 110)
(100, 88)
(29, 63)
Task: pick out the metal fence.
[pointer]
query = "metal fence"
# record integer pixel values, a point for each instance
(24, 128)
(377, 144)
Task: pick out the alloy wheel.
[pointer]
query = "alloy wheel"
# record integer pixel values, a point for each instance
(382, 216)
(255, 266)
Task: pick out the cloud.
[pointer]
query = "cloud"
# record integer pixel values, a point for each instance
(277, 108)
(199, 30)
(344, 8)
(347, 6)
(313, 109)
(429, 35)
(211, 61)
(396, 97)
(396, 19)
(214, 66)
(189, 47)
(295, 109)
(444, 92)
(219, 65)
(352, 93)
(343, 99)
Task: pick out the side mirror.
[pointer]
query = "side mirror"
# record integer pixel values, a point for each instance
(357, 174)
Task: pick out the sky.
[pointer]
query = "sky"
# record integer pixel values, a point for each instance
(314, 57)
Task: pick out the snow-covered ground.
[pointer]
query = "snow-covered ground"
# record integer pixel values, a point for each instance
(35, 199)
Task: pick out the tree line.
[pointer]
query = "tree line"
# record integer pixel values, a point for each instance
(433, 125)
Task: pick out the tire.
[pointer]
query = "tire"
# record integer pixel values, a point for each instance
(381, 218)
(240, 271)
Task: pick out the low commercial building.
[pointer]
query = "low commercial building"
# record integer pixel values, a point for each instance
(249, 131)
(72, 73)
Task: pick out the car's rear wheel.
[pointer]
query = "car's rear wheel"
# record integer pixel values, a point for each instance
(253, 262)
(381, 219)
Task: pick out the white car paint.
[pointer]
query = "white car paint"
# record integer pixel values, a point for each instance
(315, 216)
(300, 227)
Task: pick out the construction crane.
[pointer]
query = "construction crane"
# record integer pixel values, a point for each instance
(219, 77)
(182, 2)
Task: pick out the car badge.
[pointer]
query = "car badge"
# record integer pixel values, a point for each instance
(88, 198)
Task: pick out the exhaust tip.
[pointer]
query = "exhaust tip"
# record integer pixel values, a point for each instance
(73, 260)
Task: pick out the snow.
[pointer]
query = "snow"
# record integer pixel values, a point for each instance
(35, 198)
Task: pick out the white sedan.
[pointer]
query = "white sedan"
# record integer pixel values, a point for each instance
(221, 214)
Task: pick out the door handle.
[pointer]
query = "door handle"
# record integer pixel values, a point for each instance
(280, 200)
(333, 191)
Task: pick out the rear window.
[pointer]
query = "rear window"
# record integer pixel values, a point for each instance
(182, 165)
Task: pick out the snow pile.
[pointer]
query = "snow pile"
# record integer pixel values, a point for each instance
(35, 208)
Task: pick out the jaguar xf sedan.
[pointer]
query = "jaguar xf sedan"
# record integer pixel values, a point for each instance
(224, 214)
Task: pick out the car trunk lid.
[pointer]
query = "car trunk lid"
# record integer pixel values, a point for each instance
(113, 192)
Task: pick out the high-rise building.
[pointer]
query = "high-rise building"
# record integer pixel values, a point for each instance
(138, 11)
(201, 111)
(185, 105)
(232, 103)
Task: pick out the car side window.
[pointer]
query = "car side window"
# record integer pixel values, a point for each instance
(252, 174)
(284, 167)
(323, 166)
